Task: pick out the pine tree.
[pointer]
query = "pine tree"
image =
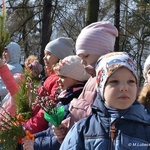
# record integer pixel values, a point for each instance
(4, 33)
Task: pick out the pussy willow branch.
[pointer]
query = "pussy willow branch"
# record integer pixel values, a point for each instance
(6, 119)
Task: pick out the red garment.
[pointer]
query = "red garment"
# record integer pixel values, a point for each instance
(37, 122)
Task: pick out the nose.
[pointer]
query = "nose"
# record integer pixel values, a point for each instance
(44, 58)
(123, 87)
(58, 81)
(83, 62)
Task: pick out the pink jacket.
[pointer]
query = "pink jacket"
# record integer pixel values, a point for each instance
(12, 86)
(81, 107)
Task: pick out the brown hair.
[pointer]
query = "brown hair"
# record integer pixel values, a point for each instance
(144, 96)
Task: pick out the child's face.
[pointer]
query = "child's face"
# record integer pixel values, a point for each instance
(121, 89)
(148, 76)
(6, 55)
(88, 59)
(65, 82)
(49, 60)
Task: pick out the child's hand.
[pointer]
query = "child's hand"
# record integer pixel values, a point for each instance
(1, 62)
(60, 131)
(28, 144)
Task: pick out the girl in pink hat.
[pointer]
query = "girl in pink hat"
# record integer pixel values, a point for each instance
(94, 40)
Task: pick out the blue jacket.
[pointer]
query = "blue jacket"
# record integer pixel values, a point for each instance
(132, 130)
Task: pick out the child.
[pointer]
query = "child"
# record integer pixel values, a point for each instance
(33, 67)
(144, 96)
(146, 71)
(118, 120)
(72, 78)
(11, 55)
(12, 84)
(29, 60)
(94, 40)
(54, 51)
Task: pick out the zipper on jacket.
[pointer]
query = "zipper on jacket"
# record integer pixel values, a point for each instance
(112, 134)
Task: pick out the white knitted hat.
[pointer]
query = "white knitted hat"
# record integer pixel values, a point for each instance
(146, 68)
(97, 38)
(60, 47)
(71, 67)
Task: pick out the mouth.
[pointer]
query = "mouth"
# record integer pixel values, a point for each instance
(123, 97)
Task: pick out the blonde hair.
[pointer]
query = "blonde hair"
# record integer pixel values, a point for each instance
(29, 60)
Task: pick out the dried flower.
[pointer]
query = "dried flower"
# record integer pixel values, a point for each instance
(12, 131)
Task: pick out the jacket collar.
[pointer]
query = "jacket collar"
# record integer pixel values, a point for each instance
(136, 112)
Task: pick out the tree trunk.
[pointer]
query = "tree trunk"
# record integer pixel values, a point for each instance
(92, 11)
(117, 22)
(46, 27)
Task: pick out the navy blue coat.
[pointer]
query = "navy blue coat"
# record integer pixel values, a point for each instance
(132, 130)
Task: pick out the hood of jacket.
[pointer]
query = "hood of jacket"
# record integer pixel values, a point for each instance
(15, 55)
(14, 52)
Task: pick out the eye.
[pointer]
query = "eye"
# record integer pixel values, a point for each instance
(48, 54)
(86, 56)
(62, 77)
(113, 82)
(132, 82)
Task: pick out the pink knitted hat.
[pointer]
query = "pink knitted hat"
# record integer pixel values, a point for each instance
(97, 38)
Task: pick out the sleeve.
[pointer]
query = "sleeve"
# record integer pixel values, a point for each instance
(3, 89)
(40, 134)
(36, 123)
(75, 143)
(9, 80)
(49, 85)
(46, 141)
(81, 107)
